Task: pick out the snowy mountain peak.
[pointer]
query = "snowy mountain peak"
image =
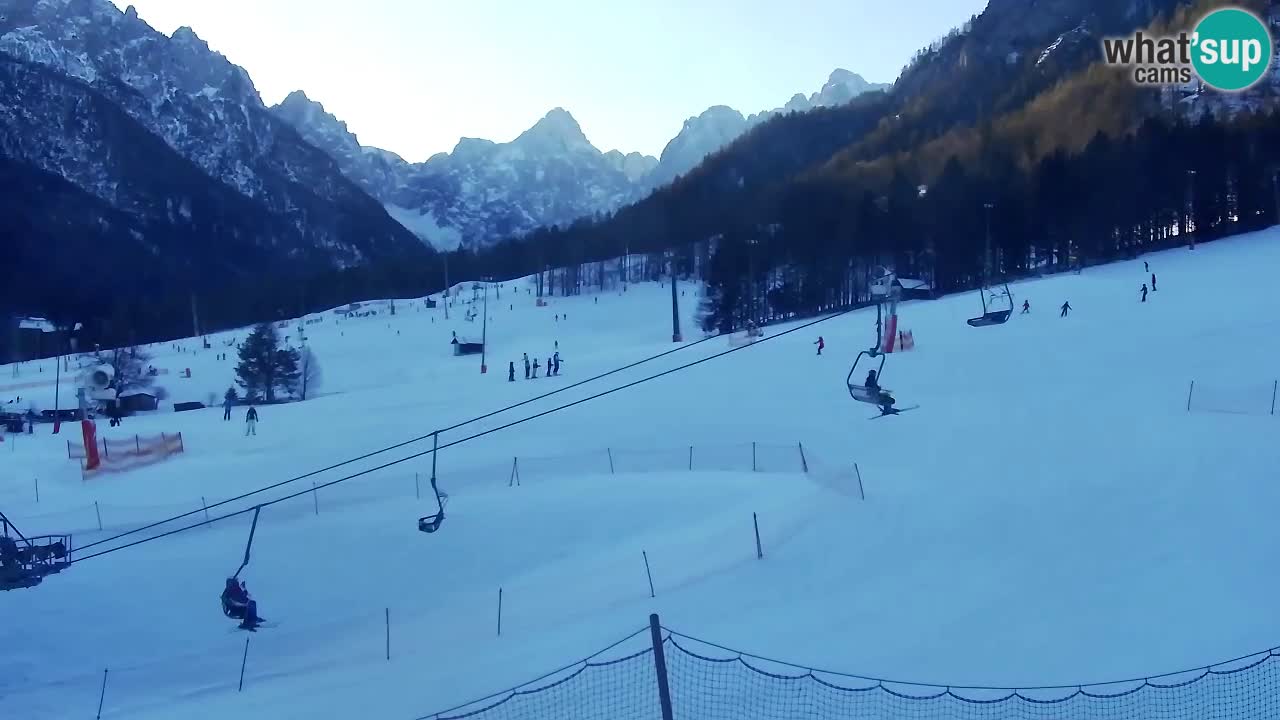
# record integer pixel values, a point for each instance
(131, 13)
(299, 109)
(557, 130)
(187, 35)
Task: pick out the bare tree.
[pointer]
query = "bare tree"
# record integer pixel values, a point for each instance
(309, 374)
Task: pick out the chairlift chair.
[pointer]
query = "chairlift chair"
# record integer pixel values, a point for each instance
(990, 316)
(857, 390)
(431, 523)
(26, 561)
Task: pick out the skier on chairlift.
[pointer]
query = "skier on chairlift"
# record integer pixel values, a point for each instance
(236, 595)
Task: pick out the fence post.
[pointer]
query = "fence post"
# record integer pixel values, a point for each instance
(205, 505)
(98, 511)
(690, 458)
(137, 444)
(315, 497)
(417, 487)
(1275, 385)
(102, 695)
(756, 522)
(37, 489)
(660, 664)
(861, 494)
(610, 451)
(243, 661)
(1189, 391)
(753, 456)
(388, 633)
(646, 572)
(105, 454)
(499, 612)
(804, 464)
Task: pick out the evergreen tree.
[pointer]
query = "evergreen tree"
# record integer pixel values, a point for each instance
(265, 368)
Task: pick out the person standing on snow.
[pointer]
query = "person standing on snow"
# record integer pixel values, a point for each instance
(526, 366)
(1026, 307)
(556, 358)
(1066, 307)
(535, 368)
(511, 371)
(821, 344)
(1153, 282)
(550, 367)
(1144, 292)
(251, 422)
(227, 400)
(1146, 266)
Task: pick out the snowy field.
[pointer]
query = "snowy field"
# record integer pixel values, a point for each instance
(1052, 514)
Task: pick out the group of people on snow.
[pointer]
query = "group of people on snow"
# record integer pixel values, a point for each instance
(531, 370)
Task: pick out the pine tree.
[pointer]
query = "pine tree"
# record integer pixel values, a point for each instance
(265, 368)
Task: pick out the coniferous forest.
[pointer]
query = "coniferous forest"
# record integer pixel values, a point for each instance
(1056, 160)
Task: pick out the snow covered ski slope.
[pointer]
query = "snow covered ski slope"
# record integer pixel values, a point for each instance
(1051, 514)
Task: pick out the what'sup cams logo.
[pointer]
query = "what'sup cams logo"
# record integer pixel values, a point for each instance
(1230, 49)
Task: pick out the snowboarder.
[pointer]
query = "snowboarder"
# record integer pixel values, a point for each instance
(227, 400)
(1153, 282)
(526, 366)
(1144, 292)
(1026, 306)
(251, 422)
(821, 344)
(535, 368)
(511, 371)
(1066, 307)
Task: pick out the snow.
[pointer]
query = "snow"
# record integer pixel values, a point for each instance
(423, 224)
(1052, 514)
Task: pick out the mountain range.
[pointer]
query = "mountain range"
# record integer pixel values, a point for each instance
(483, 192)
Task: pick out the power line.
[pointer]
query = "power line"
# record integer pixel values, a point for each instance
(397, 446)
(424, 453)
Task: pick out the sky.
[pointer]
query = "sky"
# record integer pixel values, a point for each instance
(414, 76)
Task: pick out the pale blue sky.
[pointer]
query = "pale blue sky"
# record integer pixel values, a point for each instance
(412, 76)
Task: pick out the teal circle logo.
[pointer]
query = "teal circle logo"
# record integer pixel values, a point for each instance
(1231, 49)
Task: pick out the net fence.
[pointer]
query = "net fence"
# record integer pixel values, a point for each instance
(1233, 398)
(712, 682)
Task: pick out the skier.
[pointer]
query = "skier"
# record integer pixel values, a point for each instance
(1066, 307)
(821, 344)
(526, 366)
(872, 383)
(1153, 282)
(227, 399)
(1146, 266)
(535, 368)
(251, 422)
(1144, 292)
(1026, 306)
(556, 358)
(242, 605)
(511, 371)
(550, 367)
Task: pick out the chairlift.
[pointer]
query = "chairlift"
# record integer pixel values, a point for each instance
(859, 390)
(26, 561)
(431, 523)
(233, 607)
(992, 316)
